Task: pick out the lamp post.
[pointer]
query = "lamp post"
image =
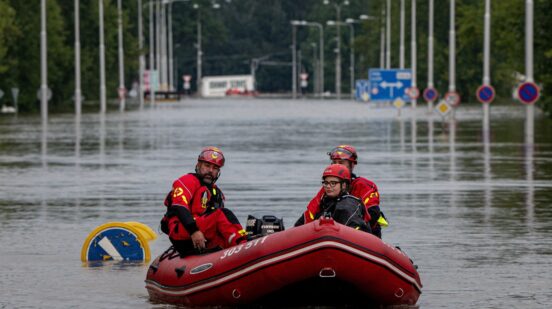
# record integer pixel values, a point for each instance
(401, 48)
(141, 60)
(170, 38)
(293, 61)
(170, 42)
(321, 44)
(122, 89)
(351, 22)
(102, 60)
(430, 54)
(530, 108)
(388, 25)
(43, 63)
(77, 61)
(486, 62)
(413, 47)
(151, 56)
(382, 38)
(199, 48)
(199, 51)
(338, 49)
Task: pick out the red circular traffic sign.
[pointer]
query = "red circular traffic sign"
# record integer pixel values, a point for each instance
(453, 98)
(122, 92)
(413, 92)
(528, 93)
(430, 94)
(485, 93)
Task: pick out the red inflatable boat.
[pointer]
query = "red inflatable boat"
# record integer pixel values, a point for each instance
(321, 263)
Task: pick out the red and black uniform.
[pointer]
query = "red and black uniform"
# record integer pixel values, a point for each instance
(345, 209)
(191, 206)
(363, 189)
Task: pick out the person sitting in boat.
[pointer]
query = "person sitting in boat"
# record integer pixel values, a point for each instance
(336, 202)
(364, 189)
(196, 218)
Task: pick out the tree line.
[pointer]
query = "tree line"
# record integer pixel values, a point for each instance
(242, 30)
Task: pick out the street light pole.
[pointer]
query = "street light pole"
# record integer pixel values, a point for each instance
(151, 56)
(141, 60)
(43, 63)
(413, 47)
(293, 61)
(78, 95)
(158, 42)
(350, 22)
(321, 44)
(401, 48)
(430, 54)
(530, 109)
(163, 50)
(170, 37)
(452, 48)
(487, 62)
(338, 49)
(382, 38)
(103, 103)
(199, 51)
(338, 56)
(388, 25)
(121, 58)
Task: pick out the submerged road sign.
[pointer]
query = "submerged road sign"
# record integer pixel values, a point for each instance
(362, 90)
(389, 85)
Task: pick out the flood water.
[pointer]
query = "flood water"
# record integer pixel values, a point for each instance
(473, 211)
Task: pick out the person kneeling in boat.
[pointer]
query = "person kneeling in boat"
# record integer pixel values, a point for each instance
(366, 190)
(336, 201)
(196, 218)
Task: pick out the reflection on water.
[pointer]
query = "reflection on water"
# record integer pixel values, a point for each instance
(468, 203)
(487, 169)
(44, 143)
(529, 202)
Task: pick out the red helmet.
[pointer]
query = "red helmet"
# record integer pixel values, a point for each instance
(212, 155)
(344, 152)
(337, 170)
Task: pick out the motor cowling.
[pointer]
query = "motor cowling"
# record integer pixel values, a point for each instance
(256, 227)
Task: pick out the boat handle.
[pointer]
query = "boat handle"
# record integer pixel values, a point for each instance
(327, 272)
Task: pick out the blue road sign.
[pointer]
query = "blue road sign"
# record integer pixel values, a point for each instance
(528, 93)
(117, 241)
(430, 94)
(389, 85)
(485, 93)
(362, 90)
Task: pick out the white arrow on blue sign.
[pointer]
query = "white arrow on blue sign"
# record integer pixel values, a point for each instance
(389, 85)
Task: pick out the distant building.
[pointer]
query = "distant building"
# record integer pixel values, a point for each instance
(219, 86)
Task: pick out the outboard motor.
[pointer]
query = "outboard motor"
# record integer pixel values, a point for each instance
(260, 227)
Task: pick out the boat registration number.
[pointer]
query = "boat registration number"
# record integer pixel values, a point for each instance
(237, 249)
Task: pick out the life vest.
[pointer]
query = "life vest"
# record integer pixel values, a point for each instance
(187, 191)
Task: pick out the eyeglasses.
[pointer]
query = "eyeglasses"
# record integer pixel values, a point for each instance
(331, 184)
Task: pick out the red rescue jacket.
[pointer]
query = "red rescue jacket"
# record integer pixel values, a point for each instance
(364, 189)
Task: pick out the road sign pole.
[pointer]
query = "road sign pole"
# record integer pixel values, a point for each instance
(452, 49)
(43, 63)
(430, 54)
(413, 50)
(487, 63)
(530, 110)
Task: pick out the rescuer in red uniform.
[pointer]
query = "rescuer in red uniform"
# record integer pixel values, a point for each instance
(196, 217)
(336, 202)
(362, 188)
